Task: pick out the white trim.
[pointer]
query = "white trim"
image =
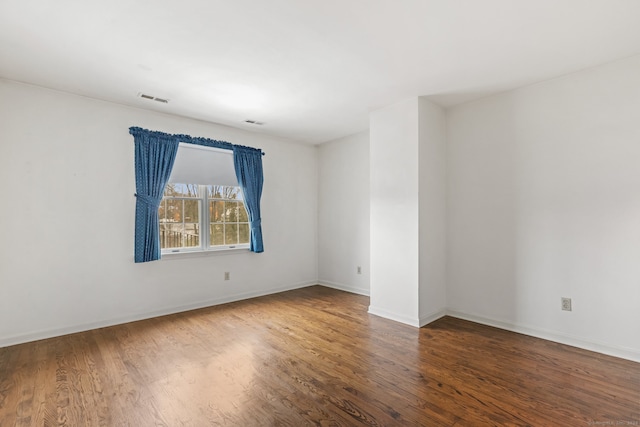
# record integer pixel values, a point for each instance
(225, 250)
(376, 311)
(346, 288)
(428, 318)
(621, 352)
(56, 332)
(418, 323)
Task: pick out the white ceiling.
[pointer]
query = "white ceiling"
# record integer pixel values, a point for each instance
(311, 70)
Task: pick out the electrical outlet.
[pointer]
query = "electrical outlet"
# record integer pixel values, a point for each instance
(359, 270)
(226, 275)
(566, 304)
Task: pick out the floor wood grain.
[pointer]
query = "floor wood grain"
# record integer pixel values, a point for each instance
(310, 357)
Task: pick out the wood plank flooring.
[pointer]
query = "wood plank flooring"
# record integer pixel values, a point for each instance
(310, 357)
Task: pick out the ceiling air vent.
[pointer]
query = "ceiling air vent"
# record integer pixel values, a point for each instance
(253, 122)
(153, 98)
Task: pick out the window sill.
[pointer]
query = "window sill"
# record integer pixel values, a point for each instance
(198, 254)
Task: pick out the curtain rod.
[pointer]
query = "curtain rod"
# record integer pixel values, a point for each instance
(206, 142)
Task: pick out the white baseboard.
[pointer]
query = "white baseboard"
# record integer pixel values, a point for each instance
(346, 288)
(428, 318)
(380, 312)
(621, 352)
(418, 323)
(56, 332)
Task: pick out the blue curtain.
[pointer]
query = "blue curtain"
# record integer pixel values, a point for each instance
(155, 154)
(248, 165)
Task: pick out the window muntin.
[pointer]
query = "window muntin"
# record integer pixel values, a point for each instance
(183, 218)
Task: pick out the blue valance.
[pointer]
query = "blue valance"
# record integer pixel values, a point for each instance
(214, 143)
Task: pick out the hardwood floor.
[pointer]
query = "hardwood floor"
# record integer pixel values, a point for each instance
(310, 357)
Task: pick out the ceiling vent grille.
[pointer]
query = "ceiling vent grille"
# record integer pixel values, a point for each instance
(153, 98)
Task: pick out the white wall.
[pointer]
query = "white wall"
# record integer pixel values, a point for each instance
(433, 200)
(343, 213)
(544, 203)
(66, 259)
(542, 186)
(394, 206)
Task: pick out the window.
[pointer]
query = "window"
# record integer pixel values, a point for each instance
(188, 209)
(179, 215)
(161, 159)
(202, 208)
(228, 219)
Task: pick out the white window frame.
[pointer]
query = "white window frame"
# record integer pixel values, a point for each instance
(205, 223)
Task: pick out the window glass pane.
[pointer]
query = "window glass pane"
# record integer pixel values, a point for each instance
(226, 211)
(181, 190)
(215, 191)
(163, 233)
(232, 211)
(231, 234)
(161, 211)
(244, 233)
(216, 211)
(171, 235)
(232, 193)
(192, 211)
(216, 234)
(170, 190)
(174, 211)
(242, 213)
(191, 236)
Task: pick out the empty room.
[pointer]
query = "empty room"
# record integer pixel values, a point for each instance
(323, 213)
